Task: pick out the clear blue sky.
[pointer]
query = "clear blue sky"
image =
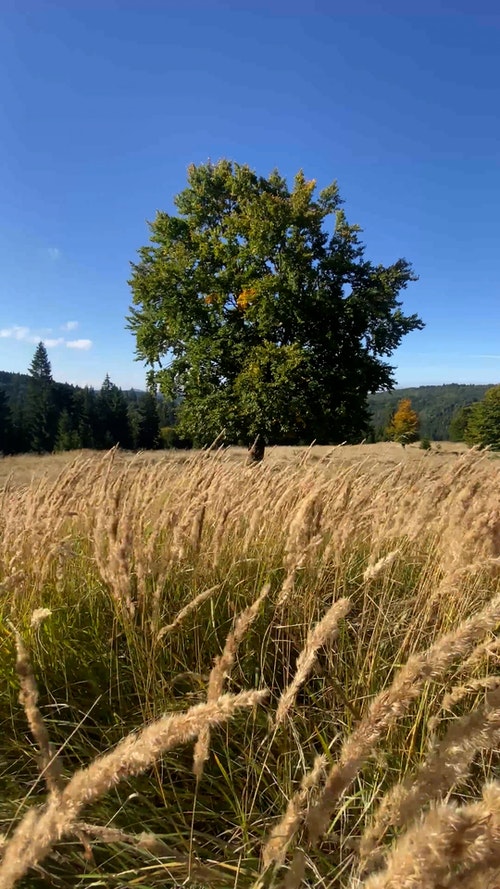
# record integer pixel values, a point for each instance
(104, 105)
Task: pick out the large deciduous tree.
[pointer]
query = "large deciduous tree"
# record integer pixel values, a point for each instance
(256, 310)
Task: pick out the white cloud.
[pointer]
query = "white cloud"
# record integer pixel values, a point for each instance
(69, 325)
(25, 335)
(79, 344)
(16, 333)
(54, 253)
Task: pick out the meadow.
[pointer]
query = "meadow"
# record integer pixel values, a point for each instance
(224, 675)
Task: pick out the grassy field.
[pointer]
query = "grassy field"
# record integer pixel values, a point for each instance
(236, 676)
(26, 467)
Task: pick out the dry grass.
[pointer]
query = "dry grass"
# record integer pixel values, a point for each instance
(25, 468)
(320, 630)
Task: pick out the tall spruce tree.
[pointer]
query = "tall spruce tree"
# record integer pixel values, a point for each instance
(112, 418)
(40, 407)
(483, 423)
(68, 438)
(84, 410)
(149, 423)
(5, 425)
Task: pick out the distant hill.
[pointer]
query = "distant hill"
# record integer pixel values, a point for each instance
(15, 385)
(435, 405)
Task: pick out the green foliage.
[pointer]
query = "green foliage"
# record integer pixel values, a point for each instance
(404, 423)
(5, 424)
(144, 422)
(435, 405)
(269, 322)
(170, 438)
(112, 418)
(40, 369)
(459, 423)
(425, 445)
(149, 423)
(41, 413)
(84, 415)
(483, 423)
(67, 437)
(78, 418)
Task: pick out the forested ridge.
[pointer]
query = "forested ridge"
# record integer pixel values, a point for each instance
(38, 414)
(435, 405)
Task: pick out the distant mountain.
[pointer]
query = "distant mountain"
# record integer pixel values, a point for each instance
(435, 405)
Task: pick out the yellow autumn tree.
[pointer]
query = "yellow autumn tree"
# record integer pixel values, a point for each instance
(404, 424)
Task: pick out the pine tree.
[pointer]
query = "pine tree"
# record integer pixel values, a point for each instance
(68, 438)
(483, 426)
(134, 423)
(5, 425)
(41, 417)
(460, 422)
(85, 416)
(149, 427)
(404, 424)
(112, 417)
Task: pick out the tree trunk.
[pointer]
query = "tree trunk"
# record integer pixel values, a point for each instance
(257, 451)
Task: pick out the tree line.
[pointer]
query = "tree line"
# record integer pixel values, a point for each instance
(436, 407)
(40, 415)
(476, 424)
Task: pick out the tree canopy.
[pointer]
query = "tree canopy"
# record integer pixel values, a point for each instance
(460, 421)
(404, 423)
(256, 311)
(483, 421)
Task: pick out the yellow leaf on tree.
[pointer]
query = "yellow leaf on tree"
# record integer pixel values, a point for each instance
(246, 298)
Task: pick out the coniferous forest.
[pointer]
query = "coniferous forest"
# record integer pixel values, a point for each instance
(40, 415)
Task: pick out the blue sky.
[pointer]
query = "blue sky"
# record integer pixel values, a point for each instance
(105, 104)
